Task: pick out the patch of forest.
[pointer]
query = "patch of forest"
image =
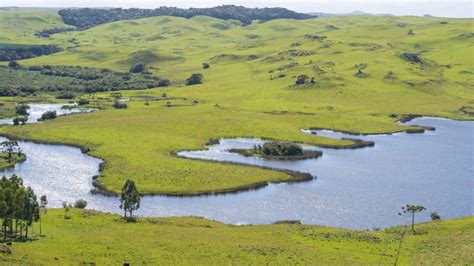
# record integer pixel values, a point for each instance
(10, 52)
(65, 81)
(90, 17)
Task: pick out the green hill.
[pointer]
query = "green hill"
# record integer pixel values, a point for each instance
(368, 72)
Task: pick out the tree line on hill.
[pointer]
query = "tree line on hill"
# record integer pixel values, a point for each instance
(66, 81)
(10, 52)
(89, 17)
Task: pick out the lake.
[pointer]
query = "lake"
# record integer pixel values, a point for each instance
(360, 189)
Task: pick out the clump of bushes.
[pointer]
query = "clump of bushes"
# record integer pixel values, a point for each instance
(13, 64)
(20, 120)
(48, 116)
(58, 80)
(435, 216)
(80, 204)
(412, 57)
(303, 79)
(66, 96)
(278, 148)
(22, 109)
(361, 74)
(120, 105)
(10, 52)
(83, 102)
(138, 68)
(205, 66)
(195, 78)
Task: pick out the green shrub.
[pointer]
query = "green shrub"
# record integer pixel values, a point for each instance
(138, 68)
(22, 109)
(279, 148)
(66, 95)
(435, 216)
(13, 64)
(194, 79)
(80, 204)
(48, 115)
(301, 79)
(83, 102)
(120, 105)
(20, 120)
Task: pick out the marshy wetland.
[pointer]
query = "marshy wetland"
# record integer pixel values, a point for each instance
(343, 88)
(352, 188)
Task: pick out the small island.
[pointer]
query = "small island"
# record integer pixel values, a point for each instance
(278, 150)
(10, 154)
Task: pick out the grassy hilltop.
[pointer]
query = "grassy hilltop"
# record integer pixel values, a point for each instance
(368, 72)
(93, 237)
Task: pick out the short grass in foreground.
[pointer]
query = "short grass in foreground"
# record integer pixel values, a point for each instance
(94, 237)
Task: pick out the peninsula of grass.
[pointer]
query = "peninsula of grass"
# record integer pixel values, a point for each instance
(90, 237)
(277, 150)
(248, 90)
(6, 163)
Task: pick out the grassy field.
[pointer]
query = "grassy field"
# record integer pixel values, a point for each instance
(94, 237)
(249, 88)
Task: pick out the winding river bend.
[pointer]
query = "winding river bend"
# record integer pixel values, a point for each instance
(360, 189)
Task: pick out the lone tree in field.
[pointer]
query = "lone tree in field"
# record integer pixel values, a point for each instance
(194, 79)
(43, 207)
(301, 79)
(411, 210)
(130, 199)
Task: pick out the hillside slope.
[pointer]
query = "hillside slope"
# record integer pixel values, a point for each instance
(368, 72)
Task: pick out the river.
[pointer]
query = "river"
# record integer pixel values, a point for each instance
(359, 189)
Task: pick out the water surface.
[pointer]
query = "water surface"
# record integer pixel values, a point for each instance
(37, 109)
(360, 189)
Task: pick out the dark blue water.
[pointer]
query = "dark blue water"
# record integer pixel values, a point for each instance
(360, 189)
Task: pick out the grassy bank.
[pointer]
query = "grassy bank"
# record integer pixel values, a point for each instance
(5, 164)
(94, 237)
(249, 89)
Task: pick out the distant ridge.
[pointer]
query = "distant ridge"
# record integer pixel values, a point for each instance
(90, 17)
(351, 14)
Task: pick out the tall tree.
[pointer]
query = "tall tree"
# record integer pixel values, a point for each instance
(43, 208)
(411, 210)
(130, 198)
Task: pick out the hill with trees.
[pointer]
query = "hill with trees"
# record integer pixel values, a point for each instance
(90, 17)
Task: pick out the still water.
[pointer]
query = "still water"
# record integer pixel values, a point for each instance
(360, 189)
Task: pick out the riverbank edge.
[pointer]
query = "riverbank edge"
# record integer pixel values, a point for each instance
(12, 165)
(412, 129)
